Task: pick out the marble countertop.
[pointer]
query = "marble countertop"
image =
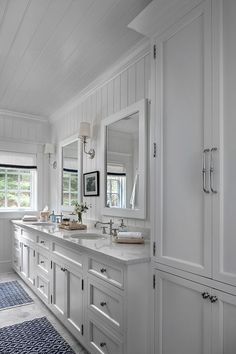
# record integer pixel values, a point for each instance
(124, 253)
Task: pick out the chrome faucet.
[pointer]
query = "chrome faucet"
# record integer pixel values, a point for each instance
(110, 223)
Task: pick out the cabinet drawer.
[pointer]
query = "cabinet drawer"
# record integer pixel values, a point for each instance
(76, 258)
(42, 262)
(103, 342)
(106, 303)
(43, 241)
(42, 286)
(28, 235)
(109, 272)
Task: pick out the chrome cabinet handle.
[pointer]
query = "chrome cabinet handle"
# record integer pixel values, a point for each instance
(213, 299)
(103, 270)
(204, 171)
(103, 303)
(102, 344)
(205, 295)
(212, 170)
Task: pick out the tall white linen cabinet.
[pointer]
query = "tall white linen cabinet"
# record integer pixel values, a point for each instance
(193, 179)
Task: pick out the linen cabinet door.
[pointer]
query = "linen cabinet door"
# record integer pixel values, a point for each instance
(75, 303)
(223, 323)
(182, 316)
(225, 158)
(182, 205)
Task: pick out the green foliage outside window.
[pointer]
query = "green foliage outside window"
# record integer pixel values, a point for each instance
(15, 188)
(70, 187)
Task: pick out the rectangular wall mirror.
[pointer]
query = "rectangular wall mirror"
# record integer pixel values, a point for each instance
(124, 137)
(71, 172)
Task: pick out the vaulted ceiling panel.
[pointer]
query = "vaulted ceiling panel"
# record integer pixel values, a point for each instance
(52, 49)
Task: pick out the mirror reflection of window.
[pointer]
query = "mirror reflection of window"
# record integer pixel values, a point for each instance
(122, 163)
(116, 186)
(70, 185)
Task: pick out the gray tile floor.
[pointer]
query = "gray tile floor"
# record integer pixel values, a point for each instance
(37, 309)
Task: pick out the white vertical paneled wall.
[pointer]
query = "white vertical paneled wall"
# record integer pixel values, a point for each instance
(21, 133)
(128, 86)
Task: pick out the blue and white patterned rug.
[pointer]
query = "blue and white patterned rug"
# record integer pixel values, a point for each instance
(37, 336)
(12, 294)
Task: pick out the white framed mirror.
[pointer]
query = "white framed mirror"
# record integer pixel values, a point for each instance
(123, 182)
(70, 172)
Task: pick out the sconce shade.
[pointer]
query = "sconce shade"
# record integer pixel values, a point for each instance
(49, 148)
(84, 129)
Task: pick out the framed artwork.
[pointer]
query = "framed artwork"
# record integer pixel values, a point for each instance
(91, 184)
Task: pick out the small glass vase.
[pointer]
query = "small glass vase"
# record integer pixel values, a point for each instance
(80, 221)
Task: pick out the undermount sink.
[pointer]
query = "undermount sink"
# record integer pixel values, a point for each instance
(42, 223)
(86, 236)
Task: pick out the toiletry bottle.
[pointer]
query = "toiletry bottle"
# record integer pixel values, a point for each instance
(53, 217)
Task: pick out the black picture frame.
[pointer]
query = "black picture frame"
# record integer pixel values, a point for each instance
(91, 184)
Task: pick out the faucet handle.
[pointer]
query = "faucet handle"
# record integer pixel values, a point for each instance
(104, 230)
(114, 232)
(122, 224)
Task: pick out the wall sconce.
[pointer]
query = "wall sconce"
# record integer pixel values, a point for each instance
(84, 134)
(50, 149)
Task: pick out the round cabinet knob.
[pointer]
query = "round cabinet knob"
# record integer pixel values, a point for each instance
(213, 299)
(205, 295)
(42, 262)
(103, 303)
(103, 270)
(102, 344)
(41, 286)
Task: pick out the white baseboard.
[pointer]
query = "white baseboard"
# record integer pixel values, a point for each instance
(5, 266)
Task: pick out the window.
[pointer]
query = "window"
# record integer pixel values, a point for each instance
(17, 181)
(116, 185)
(70, 187)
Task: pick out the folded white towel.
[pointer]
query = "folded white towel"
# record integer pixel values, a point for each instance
(29, 218)
(131, 234)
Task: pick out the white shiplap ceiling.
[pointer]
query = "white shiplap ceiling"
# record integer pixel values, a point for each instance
(52, 49)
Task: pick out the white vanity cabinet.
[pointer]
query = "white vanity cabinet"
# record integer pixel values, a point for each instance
(103, 301)
(27, 255)
(67, 287)
(118, 300)
(193, 317)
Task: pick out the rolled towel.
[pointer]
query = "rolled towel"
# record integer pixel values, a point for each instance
(131, 234)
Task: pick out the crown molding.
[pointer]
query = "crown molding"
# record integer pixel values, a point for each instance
(14, 114)
(137, 52)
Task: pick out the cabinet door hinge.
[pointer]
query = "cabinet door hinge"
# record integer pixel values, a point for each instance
(82, 284)
(154, 51)
(34, 253)
(51, 264)
(51, 298)
(82, 329)
(154, 150)
(154, 281)
(154, 248)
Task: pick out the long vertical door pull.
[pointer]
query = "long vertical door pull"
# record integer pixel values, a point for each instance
(212, 170)
(204, 170)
